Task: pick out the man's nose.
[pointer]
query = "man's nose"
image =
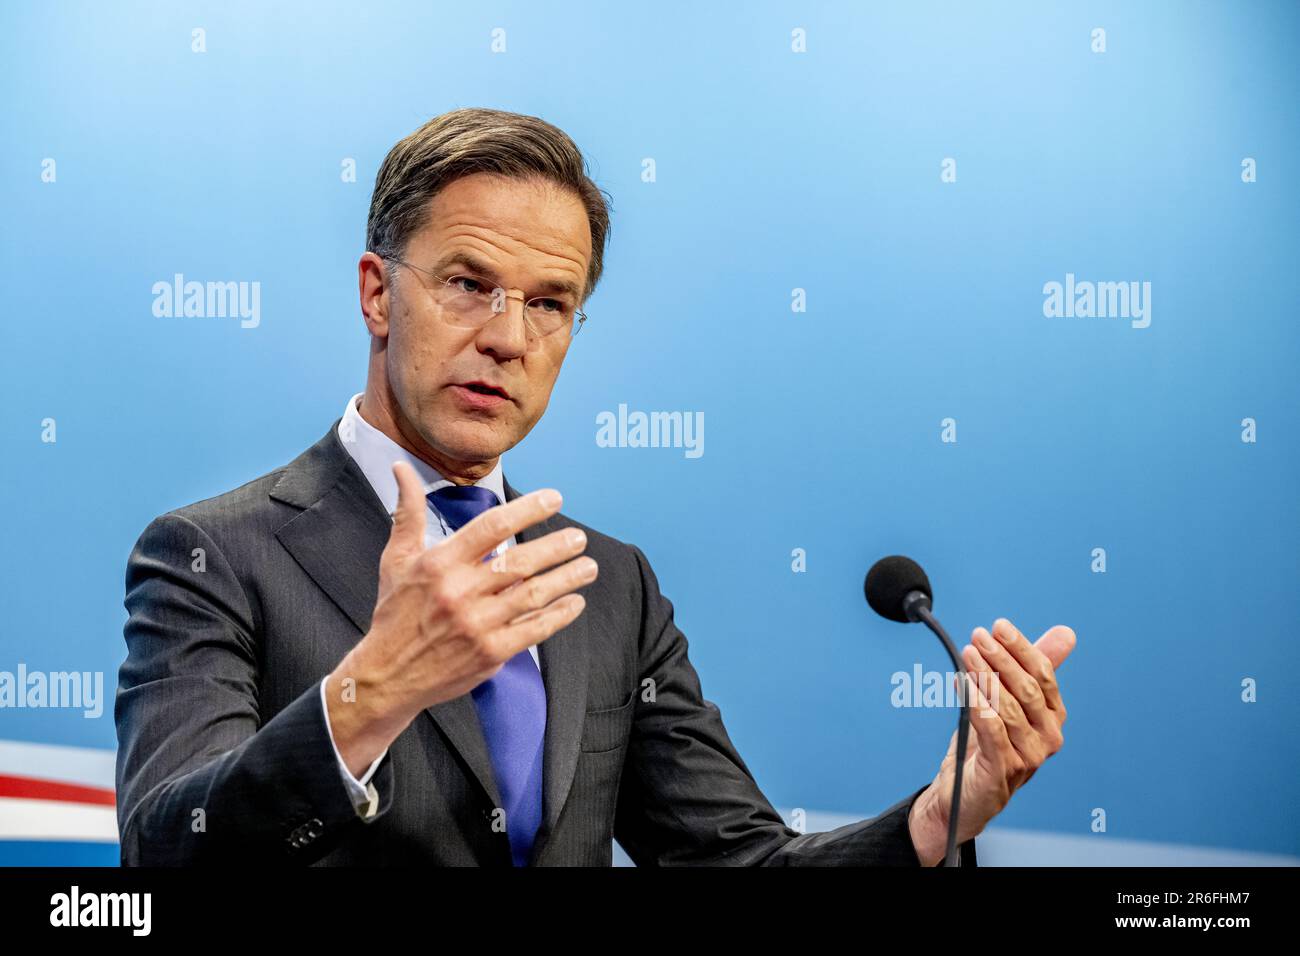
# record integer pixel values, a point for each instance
(506, 333)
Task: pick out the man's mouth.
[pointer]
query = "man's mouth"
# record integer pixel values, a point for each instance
(483, 388)
(479, 394)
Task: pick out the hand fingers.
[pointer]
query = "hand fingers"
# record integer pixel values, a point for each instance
(1033, 661)
(1056, 643)
(990, 729)
(407, 535)
(538, 591)
(1022, 736)
(536, 626)
(525, 560)
(1013, 676)
(472, 542)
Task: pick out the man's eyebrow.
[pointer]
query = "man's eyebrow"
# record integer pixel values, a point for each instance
(479, 267)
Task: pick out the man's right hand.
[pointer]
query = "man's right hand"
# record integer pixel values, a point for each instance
(446, 620)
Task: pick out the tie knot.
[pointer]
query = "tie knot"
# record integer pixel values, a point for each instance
(461, 504)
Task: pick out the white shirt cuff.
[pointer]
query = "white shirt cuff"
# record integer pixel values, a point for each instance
(363, 793)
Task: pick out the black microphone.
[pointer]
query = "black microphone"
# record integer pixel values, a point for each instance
(897, 588)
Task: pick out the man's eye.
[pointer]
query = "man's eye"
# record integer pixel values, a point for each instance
(469, 284)
(551, 305)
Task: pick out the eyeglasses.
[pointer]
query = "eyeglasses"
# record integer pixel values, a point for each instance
(476, 301)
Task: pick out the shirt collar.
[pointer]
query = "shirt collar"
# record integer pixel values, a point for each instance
(374, 452)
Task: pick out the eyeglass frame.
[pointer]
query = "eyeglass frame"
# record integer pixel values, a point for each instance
(577, 313)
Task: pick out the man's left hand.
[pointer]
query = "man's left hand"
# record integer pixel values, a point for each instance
(1013, 734)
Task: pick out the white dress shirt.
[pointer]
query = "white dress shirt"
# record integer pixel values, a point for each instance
(374, 452)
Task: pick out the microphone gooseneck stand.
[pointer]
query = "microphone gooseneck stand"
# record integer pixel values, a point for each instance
(916, 605)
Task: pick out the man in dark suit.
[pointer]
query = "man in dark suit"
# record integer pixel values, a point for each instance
(382, 653)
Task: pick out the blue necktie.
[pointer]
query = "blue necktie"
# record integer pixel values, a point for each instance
(511, 705)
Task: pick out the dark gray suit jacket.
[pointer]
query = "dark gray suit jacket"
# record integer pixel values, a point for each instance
(239, 605)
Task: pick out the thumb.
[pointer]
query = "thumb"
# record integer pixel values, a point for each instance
(411, 514)
(1057, 643)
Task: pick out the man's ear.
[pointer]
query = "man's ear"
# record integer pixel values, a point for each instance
(374, 286)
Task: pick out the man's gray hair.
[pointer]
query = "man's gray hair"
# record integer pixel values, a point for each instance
(474, 140)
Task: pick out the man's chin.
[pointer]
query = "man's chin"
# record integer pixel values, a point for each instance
(470, 443)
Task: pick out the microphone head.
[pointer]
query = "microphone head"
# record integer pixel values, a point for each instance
(889, 581)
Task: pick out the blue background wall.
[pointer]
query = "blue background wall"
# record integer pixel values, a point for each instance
(775, 171)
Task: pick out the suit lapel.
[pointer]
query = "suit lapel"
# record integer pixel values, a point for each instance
(337, 539)
(338, 536)
(563, 657)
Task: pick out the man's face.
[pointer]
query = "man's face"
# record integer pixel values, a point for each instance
(518, 236)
